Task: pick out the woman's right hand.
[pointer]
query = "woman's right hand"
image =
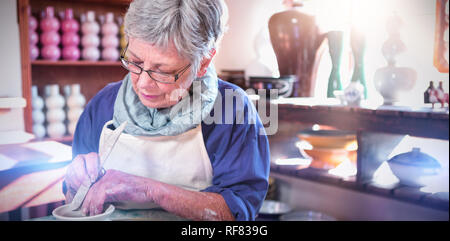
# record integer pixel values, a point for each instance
(84, 168)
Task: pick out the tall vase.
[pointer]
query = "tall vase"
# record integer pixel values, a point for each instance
(110, 40)
(296, 40)
(358, 45)
(335, 45)
(33, 36)
(75, 105)
(90, 40)
(70, 38)
(38, 115)
(391, 80)
(50, 38)
(55, 113)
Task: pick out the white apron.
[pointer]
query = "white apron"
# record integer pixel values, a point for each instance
(178, 160)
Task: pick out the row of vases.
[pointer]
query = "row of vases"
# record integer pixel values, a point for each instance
(54, 115)
(97, 41)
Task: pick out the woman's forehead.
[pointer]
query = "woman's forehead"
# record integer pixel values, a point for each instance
(150, 51)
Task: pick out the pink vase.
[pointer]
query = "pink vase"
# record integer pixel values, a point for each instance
(70, 38)
(110, 40)
(50, 37)
(33, 36)
(90, 40)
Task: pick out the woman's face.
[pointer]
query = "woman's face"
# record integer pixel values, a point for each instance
(148, 56)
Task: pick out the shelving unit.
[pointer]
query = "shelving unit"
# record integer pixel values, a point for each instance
(379, 129)
(91, 75)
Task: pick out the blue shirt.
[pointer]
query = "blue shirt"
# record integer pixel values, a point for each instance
(239, 155)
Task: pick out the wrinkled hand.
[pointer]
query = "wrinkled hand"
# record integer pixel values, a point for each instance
(114, 186)
(83, 169)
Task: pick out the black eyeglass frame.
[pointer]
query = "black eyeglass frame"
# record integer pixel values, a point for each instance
(126, 62)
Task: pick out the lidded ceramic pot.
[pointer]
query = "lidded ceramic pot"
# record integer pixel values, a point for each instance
(414, 168)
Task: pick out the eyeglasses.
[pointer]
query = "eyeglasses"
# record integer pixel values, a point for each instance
(156, 76)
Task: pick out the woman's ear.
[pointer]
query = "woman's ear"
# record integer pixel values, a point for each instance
(205, 63)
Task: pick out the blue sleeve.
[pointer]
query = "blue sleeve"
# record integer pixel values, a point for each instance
(97, 112)
(240, 158)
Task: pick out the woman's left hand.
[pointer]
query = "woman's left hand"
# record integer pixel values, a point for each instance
(114, 186)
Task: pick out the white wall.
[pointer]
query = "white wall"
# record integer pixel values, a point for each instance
(247, 17)
(10, 79)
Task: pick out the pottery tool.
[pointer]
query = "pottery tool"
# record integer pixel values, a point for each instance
(108, 145)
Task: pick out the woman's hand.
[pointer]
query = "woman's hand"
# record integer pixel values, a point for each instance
(83, 169)
(114, 186)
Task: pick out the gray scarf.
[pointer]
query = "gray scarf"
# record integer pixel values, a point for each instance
(179, 118)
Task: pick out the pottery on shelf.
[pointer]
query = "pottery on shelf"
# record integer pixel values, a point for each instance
(414, 168)
(391, 80)
(33, 36)
(38, 116)
(296, 40)
(55, 112)
(50, 38)
(110, 40)
(70, 38)
(75, 105)
(90, 40)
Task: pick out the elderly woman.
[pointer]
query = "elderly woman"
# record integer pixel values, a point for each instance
(197, 170)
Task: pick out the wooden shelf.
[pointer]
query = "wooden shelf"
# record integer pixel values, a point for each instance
(397, 191)
(420, 122)
(74, 63)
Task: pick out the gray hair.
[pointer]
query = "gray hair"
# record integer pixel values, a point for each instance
(194, 26)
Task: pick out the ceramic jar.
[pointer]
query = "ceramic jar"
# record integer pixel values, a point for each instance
(37, 104)
(391, 80)
(70, 38)
(50, 38)
(110, 40)
(55, 112)
(414, 168)
(75, 105)
(90, 40)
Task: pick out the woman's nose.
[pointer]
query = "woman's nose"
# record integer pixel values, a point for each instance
(145, 81)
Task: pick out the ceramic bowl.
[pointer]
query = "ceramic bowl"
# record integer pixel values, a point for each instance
(331, 139)
(64, 213)
(414, 168)
(330, 157)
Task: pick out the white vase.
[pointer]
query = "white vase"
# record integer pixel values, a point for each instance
(37, 103)
(55, 112)
(75, 104)
(38, 116)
